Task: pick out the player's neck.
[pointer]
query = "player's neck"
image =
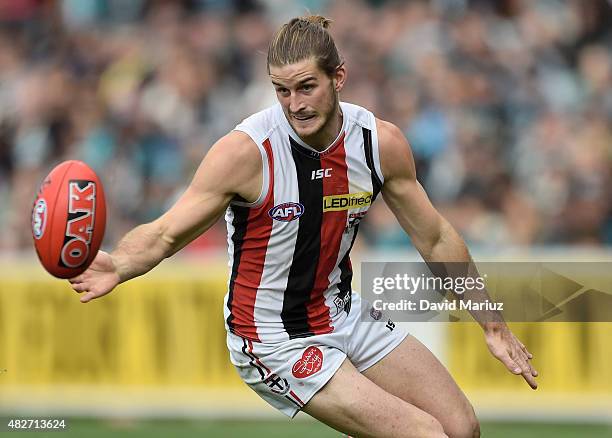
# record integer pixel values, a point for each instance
(328, 133)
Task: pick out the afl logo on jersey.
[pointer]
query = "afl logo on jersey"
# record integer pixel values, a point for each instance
(287, 212)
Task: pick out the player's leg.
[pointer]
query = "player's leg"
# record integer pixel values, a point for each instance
(353, 404)
(412, 373)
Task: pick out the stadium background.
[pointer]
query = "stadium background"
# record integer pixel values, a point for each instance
(507, 105)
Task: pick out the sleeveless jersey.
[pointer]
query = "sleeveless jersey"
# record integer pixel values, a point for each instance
(289, 250)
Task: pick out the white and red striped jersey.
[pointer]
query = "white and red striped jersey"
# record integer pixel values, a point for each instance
(289, 250)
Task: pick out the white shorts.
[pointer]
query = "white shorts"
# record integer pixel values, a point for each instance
(287, 374)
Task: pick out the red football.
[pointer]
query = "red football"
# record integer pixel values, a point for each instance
(68, 219)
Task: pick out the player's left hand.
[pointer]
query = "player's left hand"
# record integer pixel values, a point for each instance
(510, 351)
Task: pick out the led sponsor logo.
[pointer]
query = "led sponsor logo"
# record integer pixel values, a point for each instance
(39, 218)
(286, 212)
(346, 202)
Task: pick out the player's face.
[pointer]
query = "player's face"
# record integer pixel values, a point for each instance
(309, 98)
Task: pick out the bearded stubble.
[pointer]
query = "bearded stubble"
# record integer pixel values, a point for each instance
(327, 114)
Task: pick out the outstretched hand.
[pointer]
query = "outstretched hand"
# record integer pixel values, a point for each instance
(511, 352)
(98, 280)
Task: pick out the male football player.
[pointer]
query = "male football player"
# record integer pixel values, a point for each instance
(293, 182)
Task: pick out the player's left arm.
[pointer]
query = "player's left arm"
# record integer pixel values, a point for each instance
(438, 242)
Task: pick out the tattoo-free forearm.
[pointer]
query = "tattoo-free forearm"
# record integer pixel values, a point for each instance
(140, 250)
(449, 257)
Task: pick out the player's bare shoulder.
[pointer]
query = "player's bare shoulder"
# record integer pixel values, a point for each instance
(395, 153)
(234, 166)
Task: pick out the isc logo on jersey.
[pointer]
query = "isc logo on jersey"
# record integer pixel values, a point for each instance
(287, 212)
(346, 202)
(81, 216)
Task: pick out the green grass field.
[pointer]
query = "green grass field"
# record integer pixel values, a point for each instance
(281, 429)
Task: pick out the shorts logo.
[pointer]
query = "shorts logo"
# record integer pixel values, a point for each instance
(277, 384)
(39, 218)
(375, 314)
(79, 227)
(309, 364)
(287, 212)
(343, 302)
(348, 201)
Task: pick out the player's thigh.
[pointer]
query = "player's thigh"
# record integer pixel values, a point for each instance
(353, 404)
(412, 373)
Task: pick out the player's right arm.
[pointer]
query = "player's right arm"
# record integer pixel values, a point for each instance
(232, 167)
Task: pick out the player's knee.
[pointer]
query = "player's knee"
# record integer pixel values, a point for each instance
(469, 429)
(424, 425)
(464, 426)
(428, 427)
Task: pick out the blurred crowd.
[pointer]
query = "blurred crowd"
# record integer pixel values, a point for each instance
(507, 104)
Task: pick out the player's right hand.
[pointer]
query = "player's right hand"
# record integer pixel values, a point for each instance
(98, 280)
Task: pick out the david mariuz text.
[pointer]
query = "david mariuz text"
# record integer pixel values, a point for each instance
(442, 306)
